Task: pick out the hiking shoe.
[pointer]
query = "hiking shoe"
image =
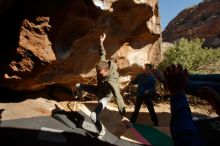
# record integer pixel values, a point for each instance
(126, 121)
(76, 91)
(101, 133)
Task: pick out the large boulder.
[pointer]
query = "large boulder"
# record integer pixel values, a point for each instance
(199, 21)
(48, 42)
(29, 108)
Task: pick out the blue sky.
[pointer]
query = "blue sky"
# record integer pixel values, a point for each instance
(170, 8)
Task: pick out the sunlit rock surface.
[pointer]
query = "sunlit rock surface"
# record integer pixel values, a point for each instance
(48, 42)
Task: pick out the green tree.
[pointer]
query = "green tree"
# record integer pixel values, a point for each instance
(190, 54)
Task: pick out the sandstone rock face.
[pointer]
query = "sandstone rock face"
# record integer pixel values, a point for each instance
(57, 42)
(201, 21)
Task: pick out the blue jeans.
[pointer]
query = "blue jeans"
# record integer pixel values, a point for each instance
(196, 81)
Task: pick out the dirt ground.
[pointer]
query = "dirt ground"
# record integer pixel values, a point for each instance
(110, 116)
(111, 119)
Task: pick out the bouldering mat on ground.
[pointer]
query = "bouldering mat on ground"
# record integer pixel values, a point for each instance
(154, 136)
(131, 134)
(82, 120)
(43, 131)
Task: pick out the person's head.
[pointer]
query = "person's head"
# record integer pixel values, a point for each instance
(147, 68)
(102, 68)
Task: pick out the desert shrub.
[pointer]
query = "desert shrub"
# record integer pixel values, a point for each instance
(190, 54)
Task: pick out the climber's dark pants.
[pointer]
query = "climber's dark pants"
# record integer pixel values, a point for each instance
(148, 101)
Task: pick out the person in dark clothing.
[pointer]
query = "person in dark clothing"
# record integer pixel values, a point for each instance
(146, 89)
(107, 86)
(205, 86)
(195, 82)
(183, 130)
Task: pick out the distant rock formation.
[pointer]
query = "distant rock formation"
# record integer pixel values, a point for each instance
(46, 42)
(200, 21)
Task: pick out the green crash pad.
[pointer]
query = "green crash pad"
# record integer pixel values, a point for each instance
(154, 136)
